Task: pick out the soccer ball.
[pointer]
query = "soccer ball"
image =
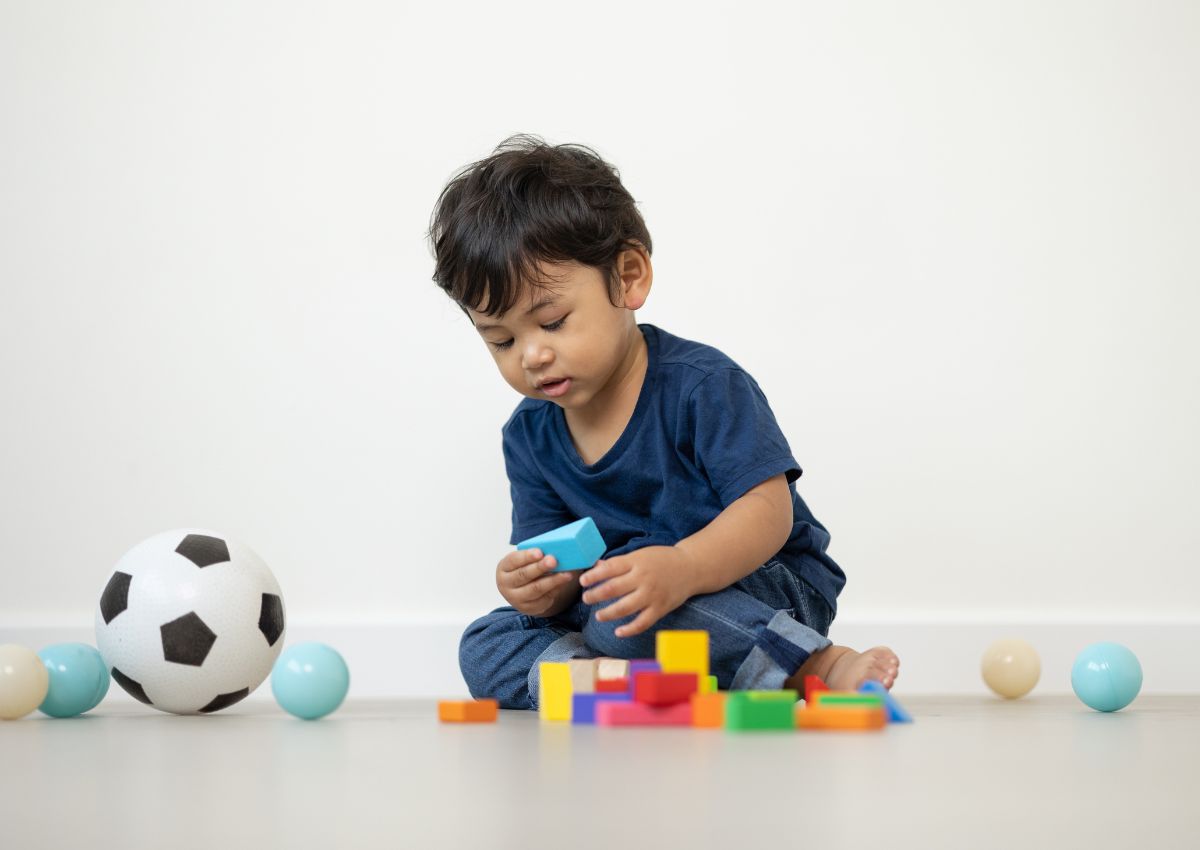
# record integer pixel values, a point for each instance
(190, 621)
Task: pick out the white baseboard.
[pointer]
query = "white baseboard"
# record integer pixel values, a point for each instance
(420, 659)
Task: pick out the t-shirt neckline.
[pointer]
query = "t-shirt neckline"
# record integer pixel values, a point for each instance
(631, 427)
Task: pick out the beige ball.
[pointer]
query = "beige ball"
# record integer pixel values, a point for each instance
(24, 681)
(1011, 667)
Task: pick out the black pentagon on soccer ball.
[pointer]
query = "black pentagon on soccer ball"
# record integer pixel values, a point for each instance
(115, 597)
(134, 689)
(225, 700)
(202, 550)
(187, 640)
(270, 619)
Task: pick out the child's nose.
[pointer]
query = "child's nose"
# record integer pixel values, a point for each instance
(537, 355)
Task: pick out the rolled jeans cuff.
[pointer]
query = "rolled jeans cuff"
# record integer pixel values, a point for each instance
(783, 645)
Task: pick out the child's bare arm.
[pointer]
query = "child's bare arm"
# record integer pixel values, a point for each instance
(743, 536)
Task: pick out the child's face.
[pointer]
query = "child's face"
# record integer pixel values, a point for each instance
(570, 331)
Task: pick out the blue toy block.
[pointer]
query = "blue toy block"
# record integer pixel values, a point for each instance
(576, 546)
(896, 712)
(583, 706)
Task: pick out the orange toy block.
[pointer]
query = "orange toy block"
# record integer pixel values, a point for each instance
(708, 709)
(812, 684)
(468, 711)
(843, 717)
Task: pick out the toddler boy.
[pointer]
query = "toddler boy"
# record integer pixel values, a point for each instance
(668, 444)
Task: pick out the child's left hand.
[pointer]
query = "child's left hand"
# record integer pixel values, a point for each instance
(654, 581)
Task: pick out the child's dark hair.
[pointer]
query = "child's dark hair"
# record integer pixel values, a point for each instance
(530, 202)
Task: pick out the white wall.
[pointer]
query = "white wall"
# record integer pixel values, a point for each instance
(955, 243)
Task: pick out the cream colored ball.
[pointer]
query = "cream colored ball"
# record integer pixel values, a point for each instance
(24, 681)
(1011, 667)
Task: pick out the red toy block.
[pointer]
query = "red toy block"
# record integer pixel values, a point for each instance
(639, 714)
(813, 684)
(612, 686)
(664, 688)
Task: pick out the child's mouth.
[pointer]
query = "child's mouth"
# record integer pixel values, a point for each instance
(557, 388)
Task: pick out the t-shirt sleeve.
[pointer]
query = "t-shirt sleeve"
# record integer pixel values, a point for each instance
(736, 439)
(536, 508)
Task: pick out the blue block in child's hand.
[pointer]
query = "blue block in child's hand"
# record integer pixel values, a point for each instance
(576, 546)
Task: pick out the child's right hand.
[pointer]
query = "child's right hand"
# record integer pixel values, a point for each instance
(525, 580)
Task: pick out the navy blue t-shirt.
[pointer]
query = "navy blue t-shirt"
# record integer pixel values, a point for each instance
(701, 436)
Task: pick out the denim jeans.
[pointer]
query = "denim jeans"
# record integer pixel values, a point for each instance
(761, 629)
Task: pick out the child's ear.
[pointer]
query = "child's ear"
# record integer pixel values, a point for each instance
(637, 276)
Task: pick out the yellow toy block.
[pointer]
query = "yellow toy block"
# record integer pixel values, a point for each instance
(708, 685)
(554, 691)
(583, 675)
(708, 710)
(683, 652)
(468, 711)
(859, 718)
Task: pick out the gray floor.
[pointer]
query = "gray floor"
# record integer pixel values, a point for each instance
(970, 773)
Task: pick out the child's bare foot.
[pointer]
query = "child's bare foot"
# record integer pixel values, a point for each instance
(843, 669)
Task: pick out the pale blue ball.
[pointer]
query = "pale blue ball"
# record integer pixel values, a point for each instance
(78, 679)
(310, 680)
(1106, 676)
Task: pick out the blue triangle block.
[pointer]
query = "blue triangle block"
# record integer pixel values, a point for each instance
(577, 545)
(896, 712)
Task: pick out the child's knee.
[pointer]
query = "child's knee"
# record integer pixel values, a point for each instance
(479, 649)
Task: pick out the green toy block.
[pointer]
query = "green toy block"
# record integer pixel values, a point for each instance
(576, 546)
(747, 711)
(834, 699)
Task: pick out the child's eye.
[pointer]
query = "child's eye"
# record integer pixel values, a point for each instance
(553, 326)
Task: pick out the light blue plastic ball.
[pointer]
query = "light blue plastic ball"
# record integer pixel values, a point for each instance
(78, 679)
(310, 680)
(1106, 676)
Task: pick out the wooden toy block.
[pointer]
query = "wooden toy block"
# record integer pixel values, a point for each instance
(844, 717)
(709, 685)
(896, 712)
(612, 668)
(652, 688)
(747, 711)
(708, 710)
(612, 686)
(576, 546)
(812, 684)
(682, 652)
(583, 675)
(841, 699)
(468, 711)
(554, 691)
(612, 713)
(583, 706)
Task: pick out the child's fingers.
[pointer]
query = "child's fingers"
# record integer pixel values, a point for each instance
(604, 570)
(623, 607)
(518, 558)
(611, 589)
(640, 623)
(544, 586)
(532, 572)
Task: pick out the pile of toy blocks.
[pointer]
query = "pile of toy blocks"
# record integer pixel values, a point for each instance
(675, 689)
